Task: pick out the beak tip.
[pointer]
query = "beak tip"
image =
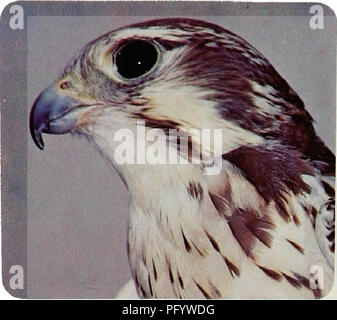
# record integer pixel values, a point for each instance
(40, 146)
(37, 136)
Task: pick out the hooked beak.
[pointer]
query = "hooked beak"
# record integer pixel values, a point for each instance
(51, 113)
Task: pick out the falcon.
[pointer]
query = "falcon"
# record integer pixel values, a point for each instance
(263, 227)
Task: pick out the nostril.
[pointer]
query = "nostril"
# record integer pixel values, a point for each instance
(66, 85)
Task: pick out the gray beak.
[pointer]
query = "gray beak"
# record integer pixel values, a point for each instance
(51, 114)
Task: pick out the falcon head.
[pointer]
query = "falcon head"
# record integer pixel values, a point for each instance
(175, 73)
(187, 74)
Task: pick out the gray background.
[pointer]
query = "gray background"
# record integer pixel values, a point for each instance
(77, 206)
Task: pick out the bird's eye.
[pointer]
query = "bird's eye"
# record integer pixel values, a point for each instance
(136, 58)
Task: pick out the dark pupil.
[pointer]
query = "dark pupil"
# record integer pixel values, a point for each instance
(135, 59)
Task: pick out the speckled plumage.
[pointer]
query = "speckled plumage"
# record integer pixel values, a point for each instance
(252, 231)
